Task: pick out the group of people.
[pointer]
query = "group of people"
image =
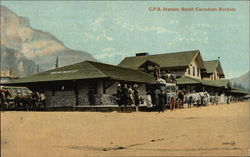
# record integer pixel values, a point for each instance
(159, 98)
(127, 95)
(168, 76)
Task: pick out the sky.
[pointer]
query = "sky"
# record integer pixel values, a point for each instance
(113, 30)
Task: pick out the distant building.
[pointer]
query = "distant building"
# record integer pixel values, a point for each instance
(6, 75)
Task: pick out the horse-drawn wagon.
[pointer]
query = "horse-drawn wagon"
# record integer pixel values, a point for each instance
(166, 96)
(18, 98)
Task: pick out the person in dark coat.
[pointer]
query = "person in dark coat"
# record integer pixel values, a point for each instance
(159, 99)
(162, 101)
(173, 77)
(125, 96)
(136, 95)
(91, 97)
(119, 95)
(190, 101)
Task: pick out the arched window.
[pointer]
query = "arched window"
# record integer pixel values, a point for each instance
(193, 71)
(198, 71)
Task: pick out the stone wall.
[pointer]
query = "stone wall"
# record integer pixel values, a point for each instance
(60, 98)
(68, 97)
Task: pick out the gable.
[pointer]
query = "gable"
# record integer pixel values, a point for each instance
(167, 60)
(212, 66)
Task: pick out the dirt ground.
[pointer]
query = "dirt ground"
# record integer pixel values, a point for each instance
(222, 130)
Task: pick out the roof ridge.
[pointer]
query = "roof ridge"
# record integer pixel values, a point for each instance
(90, 62)
(118, 67)
(211, 60)
(165, 53)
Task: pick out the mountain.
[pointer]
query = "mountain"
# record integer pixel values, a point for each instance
(243, 81)
(17, 62)
(32, 46)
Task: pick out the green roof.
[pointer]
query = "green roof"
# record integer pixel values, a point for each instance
(166, 60)
(217, 83)
(239, 91)
(214, 83)
(187, 80)
(87, 70)
(212, 65)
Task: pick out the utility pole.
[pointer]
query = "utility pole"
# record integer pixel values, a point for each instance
(56, 65)
(37, 68)
(29, 70)
(11, 73)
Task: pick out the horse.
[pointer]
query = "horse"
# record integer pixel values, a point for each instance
(214, 100)
(23, 101)
(193, 99)
(205, 98)
(4, 94)
(35, 99)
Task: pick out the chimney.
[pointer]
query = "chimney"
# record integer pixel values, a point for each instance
(142, 54)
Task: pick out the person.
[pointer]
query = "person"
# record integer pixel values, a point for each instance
(157, 72)
(130, 95)
(157, 97)
(149, 100)
(172, 77)
(119, 95)
(164, 96)
(91, 97)
(202, 99)
(168, 76)
(163, 75)
(229, 99)
(216, 100)
(190, 101)
(162, 101)
(125, 96)
(180, 99)
(136, 95)
(43, 99)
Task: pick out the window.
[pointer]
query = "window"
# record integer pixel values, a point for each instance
(198, 71)
(193, 71)
(188, 71)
